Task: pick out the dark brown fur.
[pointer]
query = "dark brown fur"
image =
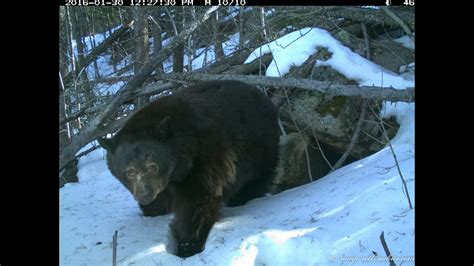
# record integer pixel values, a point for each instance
(213, 142)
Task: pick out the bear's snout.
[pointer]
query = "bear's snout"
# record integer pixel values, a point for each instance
(145, 198)
(143, 194)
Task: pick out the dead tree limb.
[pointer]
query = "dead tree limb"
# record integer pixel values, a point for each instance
(226, 63)
(365, 15)
(71, 117)
(111, 80)
(376, 93)
(398, 20)
(89, 133)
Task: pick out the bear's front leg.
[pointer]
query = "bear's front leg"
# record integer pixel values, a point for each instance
(193, 220)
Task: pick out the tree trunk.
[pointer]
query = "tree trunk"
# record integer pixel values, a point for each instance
(178, 59)
(142, 45)
(63, 61)
(78, 33)
(69, 39)
(156, 32)
(141, 38)
(217, 38)
(241, 28)
(178, 55)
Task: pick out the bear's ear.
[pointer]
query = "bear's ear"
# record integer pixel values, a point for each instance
(164, 130)
(107, 144)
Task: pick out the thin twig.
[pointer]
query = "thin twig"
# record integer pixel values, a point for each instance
(387, 251)
(405, 188)
(114, 249)
(398, 168)
(62, 177)
(307, 160)
(373, 138)
(354, 139)
(175, 29)
(282, 129)
(320, 149)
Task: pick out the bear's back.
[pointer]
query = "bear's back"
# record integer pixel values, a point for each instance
(224, 109)
(238, 108)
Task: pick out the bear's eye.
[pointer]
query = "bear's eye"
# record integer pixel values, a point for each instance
(131, 172)
(152, 167)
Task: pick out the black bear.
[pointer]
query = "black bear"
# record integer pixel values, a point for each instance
(213, 142)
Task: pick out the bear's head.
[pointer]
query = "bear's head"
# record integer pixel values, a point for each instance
(142, 164)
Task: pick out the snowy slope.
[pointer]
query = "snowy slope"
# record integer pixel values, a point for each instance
(336, 220)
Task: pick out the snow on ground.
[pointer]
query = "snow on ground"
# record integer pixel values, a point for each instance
(336, 220)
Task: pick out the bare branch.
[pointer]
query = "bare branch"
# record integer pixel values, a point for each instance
(367, 41)
(405, 188)
(354, 139)
(398, 20)
(320, 149)
(365, 15)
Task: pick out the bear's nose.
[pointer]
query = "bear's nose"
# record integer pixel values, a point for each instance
(145, 198)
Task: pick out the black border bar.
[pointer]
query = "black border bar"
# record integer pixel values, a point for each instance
(237, 2)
